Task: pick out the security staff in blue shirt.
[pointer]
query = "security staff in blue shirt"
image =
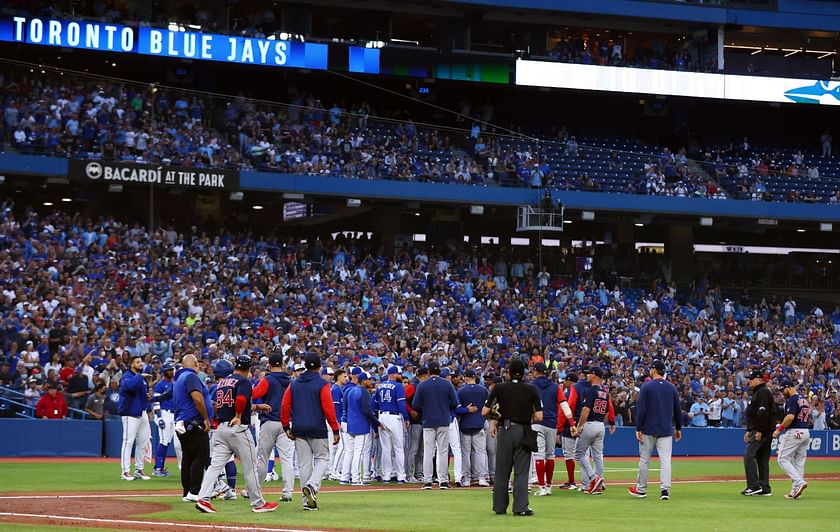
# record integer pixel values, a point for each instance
(192, 424)
(389, 400)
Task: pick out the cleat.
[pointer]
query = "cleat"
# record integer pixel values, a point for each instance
(751, 492)
(594, 484)
(636, 492)
(127, 476)
(229, 495)
(189, 497)
(567, 486)
(204, 506)
(664, 495)
(310, 496)
(483, 484)
(344, 483)
(527, 513)
(286, 498)
(444, 485)
(219, 489)
(264, 507)
(541, 492)
(798, 491)
(360, 483)
(141, 475)
(244, 493)
(160, 473)
(427, 486)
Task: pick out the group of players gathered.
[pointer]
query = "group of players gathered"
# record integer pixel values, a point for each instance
(319, 423)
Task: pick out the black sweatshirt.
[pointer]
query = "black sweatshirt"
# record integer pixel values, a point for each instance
(761, 412)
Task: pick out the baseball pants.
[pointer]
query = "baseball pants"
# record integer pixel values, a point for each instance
(455, 445)
(351, 471)
(338, 463)
(511, 456)
(569, 445)
(314, 458)
(196, 447)
(757, 462)
(663, 446)
(474, 452)
(436, 444)
(392, 446)
(414, 456)
(168, 434)
(236, 440)
(136, 433)
(490, 445)
(368, 456)
(272, 435)
(334, 451)
(792, 452)
(375, 456)
(591, 439)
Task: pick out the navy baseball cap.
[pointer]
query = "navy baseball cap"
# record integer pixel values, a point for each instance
(571, 377)
(787, 383)
(312, 361)
(659, 366)
(167, 367)
(516, 367)
(422, 370)
(275, 359)
(393, 370)
(539, 367)
(363, 376)
(595, 371)
(445, 372)
(756, 374)
(434, 367)
(470, 373)
(355, 370)
(498, 380)
(242, 362)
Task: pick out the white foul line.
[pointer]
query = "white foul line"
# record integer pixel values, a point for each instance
(155, 523)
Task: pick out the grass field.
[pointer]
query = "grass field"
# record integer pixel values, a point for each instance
(697, 503)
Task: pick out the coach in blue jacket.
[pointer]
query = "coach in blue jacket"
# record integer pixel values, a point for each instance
(473, 437)
(435, 399)
(658, 423)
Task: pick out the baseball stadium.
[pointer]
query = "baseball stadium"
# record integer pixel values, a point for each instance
(419, 265)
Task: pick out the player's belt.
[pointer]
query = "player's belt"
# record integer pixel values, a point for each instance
(391, 413)
(227, 423)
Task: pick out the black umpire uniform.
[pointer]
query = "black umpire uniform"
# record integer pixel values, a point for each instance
(761, 416)
(517, 405)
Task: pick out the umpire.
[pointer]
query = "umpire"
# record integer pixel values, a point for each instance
(760, 424)
(519, 406)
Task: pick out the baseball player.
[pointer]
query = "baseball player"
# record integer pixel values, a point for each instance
(473, 439)
(347, 456)
(658, 425)
(164, 410)
(134, 402)
(271, 389)
(232, 405)
(436, 399)
(595, 406)
(554, 402)
(226, 483)
(490, 432)
(569, 443)
(360, 419)
(306, 412)
(414, 454)
(455, 433)
(337, 451)
(793, 444)
(389, 401)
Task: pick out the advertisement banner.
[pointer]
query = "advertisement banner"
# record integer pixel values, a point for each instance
(673, 83)
(163, 42)
(147, 174)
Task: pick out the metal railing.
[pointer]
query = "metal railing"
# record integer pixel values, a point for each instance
(9, 397)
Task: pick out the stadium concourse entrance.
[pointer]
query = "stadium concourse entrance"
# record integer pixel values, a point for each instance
(626, 249)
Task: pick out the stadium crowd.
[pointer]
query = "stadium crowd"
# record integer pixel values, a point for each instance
(80, 296)
(73, 117)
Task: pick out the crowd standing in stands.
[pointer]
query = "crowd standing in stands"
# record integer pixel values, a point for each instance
(89, 294)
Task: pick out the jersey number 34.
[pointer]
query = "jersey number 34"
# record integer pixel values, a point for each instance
(224, 397)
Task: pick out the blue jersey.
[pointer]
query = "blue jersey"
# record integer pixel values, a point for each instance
(335, 391)
(134, 398)
(597, 399)
(163, 388)
(390, 397)
(186, 382)
(228, 392)
(800, 409)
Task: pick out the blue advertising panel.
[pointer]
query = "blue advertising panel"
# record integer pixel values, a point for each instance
(163, 42)
(363, 60)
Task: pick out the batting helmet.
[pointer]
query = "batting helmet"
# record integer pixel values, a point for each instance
(243, 362)
(221, 368)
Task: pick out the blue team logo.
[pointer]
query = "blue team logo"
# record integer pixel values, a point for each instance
(813, 93)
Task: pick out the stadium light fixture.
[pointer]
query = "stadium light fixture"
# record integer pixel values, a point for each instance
(354, 202)
(48, 204)
(800, 230)
(639, 224)
(757, 51)
(478, 210)
(66, 200)
(237, 196)
(706, 221)
(257, 207)
(116, 187)
(292, 196)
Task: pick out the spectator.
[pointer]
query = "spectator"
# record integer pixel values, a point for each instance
(699, 412)
(95, 403)
(51, 405)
